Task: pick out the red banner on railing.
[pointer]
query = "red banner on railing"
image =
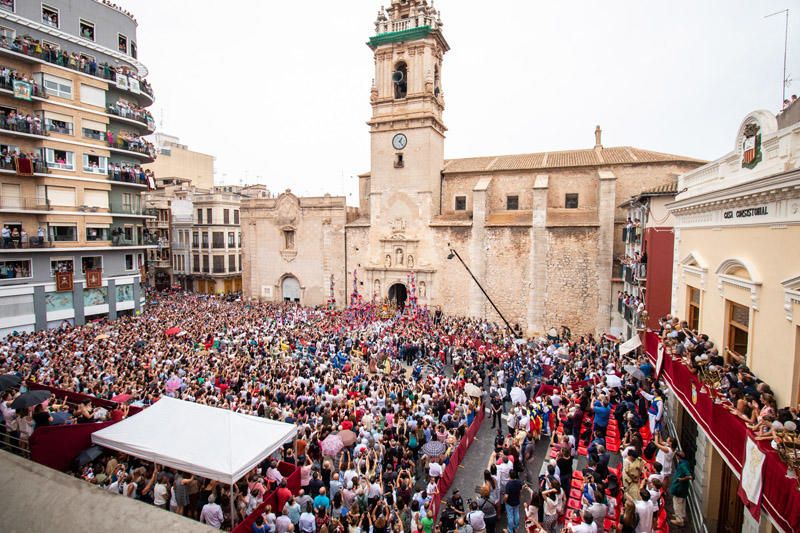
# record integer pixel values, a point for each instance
(728, 433)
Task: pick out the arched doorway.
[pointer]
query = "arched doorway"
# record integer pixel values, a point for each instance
(398, 294)
(290, 289)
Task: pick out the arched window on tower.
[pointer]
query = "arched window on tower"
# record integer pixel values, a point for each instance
(437, 82)
(400, 80)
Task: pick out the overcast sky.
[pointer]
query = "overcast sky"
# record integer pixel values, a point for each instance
(279, 91)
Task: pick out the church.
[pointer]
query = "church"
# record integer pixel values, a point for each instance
(541, 231)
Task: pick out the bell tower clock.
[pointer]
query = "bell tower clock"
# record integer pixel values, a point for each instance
(407, 129)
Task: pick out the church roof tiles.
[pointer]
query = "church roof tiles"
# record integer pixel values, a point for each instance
(622, 155)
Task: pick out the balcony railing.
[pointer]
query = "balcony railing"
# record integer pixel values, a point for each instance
(132, 115)
(126, 209)
(55, 128)
(20, 242)
(20, 124)
(631, 314)
(127, 176)
(94, 134)
(10, 163)
(38, 90)
(631, 235)
(63, 59)
(121, 240)
(135, 146)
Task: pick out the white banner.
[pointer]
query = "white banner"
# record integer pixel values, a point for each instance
(133, 83)
(630, 345)
(122, 81)
(751, 471)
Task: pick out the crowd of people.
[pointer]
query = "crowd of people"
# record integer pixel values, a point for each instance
(130, 141)
(126, 109)
(21, 122)
(130, 173)
(742, 392)
(353, 370)
(8, 75)
(28, 45)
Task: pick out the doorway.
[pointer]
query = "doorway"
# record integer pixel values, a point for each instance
(731, 508)
(290, 289)
(398, 294)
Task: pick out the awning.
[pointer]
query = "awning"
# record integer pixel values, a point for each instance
(213, 443)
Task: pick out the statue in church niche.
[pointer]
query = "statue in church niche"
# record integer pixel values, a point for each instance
(399, 256)
(410, 261)
(423, 289)
(388, 261)
(376, 288)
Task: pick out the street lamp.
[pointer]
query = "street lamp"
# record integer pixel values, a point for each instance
(453, 253)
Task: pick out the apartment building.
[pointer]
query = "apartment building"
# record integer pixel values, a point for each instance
(73, 113)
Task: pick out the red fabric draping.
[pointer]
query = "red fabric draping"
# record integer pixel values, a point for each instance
(57, 446)
(456, 457)
(729, 434)
(292, 475)
(77, 397)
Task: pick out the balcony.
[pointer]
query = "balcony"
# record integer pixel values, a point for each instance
(138, 147)
(38, 90)
(19, 124)
(124, 209)
(699, 393)
(128, 175)
(62, 58)
(631, 235)
(143, 118)
(25, 243)
(37, 165)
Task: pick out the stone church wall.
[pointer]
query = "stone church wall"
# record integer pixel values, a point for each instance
(571, 296)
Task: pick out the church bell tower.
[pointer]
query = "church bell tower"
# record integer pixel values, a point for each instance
(407, 129)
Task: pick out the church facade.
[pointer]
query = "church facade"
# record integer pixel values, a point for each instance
(541, 231)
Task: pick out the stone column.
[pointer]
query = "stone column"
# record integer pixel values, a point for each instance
(40, 307)
(476, 259)
(537, 285)
(77, 302)
(606, 209)
(112, 300)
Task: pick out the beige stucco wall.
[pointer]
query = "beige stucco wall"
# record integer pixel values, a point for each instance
(318, 253)
(182, 163)
(773, 256)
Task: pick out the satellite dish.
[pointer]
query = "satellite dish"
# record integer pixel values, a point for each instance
(398, 76)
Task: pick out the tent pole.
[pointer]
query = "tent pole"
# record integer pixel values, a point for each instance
(232, 498)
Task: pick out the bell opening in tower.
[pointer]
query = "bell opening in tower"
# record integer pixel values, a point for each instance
(400, 80)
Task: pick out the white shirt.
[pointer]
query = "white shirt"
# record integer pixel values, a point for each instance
(645, 510)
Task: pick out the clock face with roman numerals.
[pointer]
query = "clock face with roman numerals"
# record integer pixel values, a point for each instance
(399, 141)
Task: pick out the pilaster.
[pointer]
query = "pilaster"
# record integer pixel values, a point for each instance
(112, 300)
(77, 303)
(607, 205)
(537, 285)
(477, 252)
(40, 307)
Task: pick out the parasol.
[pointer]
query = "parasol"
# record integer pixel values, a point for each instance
(634, 371)
(518, 395)
(172, 331)
(30, 398)
(434, 448)
(181, 333)
(613, 381)
(173, 384)
(9, 381)
(332, 445)
(121, 398)
(473, 390)
(348, 437)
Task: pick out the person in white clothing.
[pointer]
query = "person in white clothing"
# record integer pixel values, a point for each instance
(645, 510)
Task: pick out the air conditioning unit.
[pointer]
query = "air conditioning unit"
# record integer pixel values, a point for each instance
(266, 291)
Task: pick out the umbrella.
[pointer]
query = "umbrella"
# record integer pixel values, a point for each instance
(634, 371)
(181, 333)
(121, 398)
(434, 448)
(9, 381)
(139, 344)
(473, 390)
(613, 381)
(331, 445)
(348, 437)
(30, 398)
(174, 383)
(518, 395)
(172, 331)
(101, 337)
(88, 455)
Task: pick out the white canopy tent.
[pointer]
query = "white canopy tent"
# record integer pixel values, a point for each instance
(213, 443)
